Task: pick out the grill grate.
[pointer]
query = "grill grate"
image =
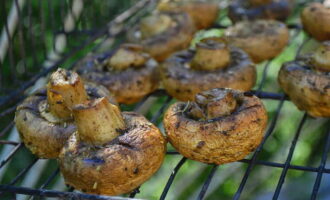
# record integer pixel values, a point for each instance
(96, 37)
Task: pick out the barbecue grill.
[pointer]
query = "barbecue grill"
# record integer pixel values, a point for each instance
(40, 35)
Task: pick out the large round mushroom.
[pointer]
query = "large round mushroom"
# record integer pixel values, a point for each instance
(128, 72)
(239, 10)
(163, 33)
(44, 121)
(307, 81)
(202, 12)
(220, 126)
(316, 20)
(261, 39)
(112, 152)
(213, 64)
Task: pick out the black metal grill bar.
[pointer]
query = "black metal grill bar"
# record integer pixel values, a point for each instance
(171, 179)
(258, 150)
(322, 166)
(23, 172)
(7, 128)
(207, 182)
(50, 178)
(289, 158)
(10, 155)
(9, 142)
(52, 193)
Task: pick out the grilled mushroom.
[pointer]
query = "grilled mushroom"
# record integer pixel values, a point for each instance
(163, 33)
(44, 121)
(129, 73)
(213, 64)
(220, 126)
(307, 81)
(261, 39)
(203, 12)
(112, 152)
(259, 9)
(316, 20)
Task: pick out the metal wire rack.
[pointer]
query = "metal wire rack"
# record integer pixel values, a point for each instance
(29, 33)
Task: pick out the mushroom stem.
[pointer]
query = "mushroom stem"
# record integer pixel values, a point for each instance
(154, 24)
(213, 103)
(210, 55)
(259, 2)
(98, 121)
(65, 89)
(321, 58)
(128, 55)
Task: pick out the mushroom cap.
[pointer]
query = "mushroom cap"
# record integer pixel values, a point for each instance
(316, 21)
(202, 12)
(261, 39)
(42, 137)
(162, 45)
(239, 10)
(220, 140)
(308, 89)
(183, 83)
(119, 166)
(128, 86)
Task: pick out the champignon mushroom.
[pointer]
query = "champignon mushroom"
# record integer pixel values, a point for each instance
(220, 126)
(203, 12)
(163, 33)
(316, 20)
(129, 73)
(307, 81)
(213, 64)
(112, 152)
(44, 121)
(259, 9)
(261, 39)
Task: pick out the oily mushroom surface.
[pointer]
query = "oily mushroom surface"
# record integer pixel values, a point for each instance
(202, 12)
(111, 160)
(128, 73)
(307, 82)
(261, 39)
(316, 20)
(239, 10)
(163, 33)
(191, 71)
(43, 132)
(220, 126)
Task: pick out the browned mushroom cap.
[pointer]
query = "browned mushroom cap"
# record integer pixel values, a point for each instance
(259, 9)
(307, 82)
(163, 33)
(316, 20)
(129, 73)
(212, 65)
(42, 120)
(203, 12)
(112, 153)
(261, 39)
(221, 126)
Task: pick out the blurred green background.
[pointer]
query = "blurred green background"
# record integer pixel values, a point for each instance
(42, 23)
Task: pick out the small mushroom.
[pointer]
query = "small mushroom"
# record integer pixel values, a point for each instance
(261, 39)
(112, 152)
(213, 64)
(239, 10)
(220, 126)
(307, 81)
(163, 33)
(203, 12)
(44, 121)
(128, 72)
(316, 20)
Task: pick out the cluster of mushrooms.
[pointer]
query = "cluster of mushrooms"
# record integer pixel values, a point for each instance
(76, 118)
